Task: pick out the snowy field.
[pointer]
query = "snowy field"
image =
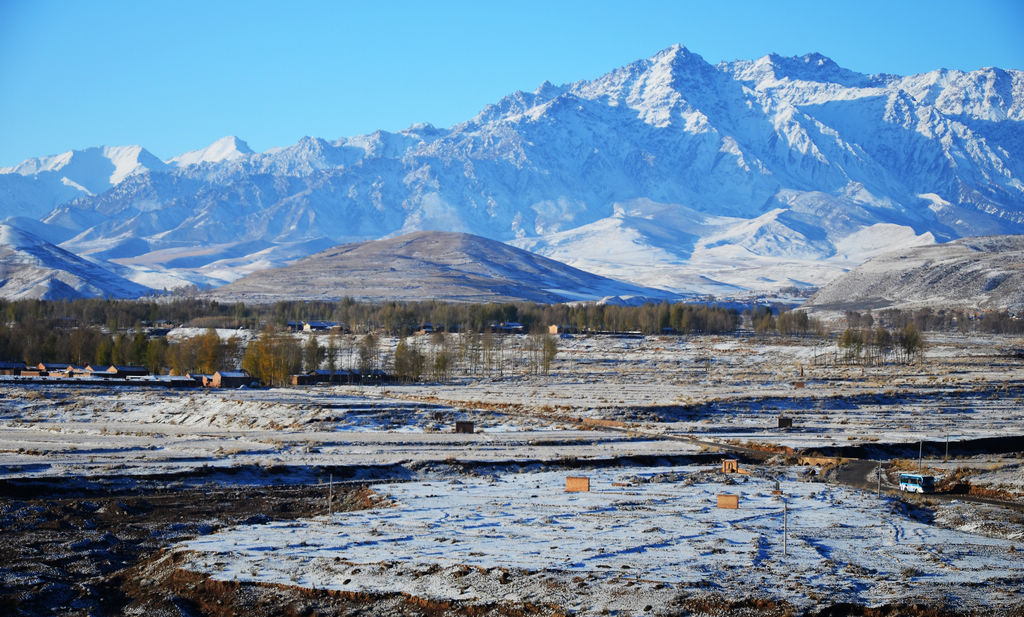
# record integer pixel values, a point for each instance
(717, 389)
(483, 517)
(637, 539)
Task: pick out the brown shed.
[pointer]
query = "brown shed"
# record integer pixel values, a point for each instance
(728, 502)
(230, 379)
(577, 484)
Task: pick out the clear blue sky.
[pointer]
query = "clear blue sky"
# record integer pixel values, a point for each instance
(175, 76)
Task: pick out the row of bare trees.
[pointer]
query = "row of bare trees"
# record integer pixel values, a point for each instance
(276, 355)
(878, 345)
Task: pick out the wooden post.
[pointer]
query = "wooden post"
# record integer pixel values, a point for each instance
(330, 496)
(785, 527)
(878, 474)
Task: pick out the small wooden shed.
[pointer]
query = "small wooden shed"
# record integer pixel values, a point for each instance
(728, 502)
(577, 484)
(229, 379)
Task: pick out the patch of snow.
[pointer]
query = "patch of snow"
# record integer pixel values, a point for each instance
(658, 525)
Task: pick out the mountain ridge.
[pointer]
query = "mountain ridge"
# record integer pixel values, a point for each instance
(31, 268)
(793, 160)
(431, 265)
(971, 273)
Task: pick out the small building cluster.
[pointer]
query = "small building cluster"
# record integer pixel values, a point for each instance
(71, 371)
(49, 372)
(507, 328)
(348, 376)
(318, 326)
(223, 379)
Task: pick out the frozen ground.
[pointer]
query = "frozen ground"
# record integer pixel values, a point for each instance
(63, 432)
(734, 389)
(718, 389)
(635, 540)
(483, 515)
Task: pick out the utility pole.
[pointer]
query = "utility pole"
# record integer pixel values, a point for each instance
(330, 497)
(920, 456)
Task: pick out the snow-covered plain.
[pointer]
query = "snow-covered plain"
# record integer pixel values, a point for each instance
(638, 538)
(484, 516)
(965, 388)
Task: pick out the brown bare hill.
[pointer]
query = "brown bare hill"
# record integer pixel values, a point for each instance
(984, 272)
(431, 265)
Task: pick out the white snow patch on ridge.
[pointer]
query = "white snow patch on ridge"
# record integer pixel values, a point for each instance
(224, 149)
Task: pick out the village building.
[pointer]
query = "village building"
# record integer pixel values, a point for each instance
(511, 327)
(57, 369)
(303, 380)
(174, 381)
(321, 326)
(12, 368)
(127, 371)
(230, 379)
(201, 379)
(114, 371)
(317, 326)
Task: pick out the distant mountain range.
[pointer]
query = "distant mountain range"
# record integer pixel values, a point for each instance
(424, 265)
(972, 273)
(669, 172)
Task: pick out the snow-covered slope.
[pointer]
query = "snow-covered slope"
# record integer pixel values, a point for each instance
(432, 265)
(31, 268)
(669, 171)
(973, 273)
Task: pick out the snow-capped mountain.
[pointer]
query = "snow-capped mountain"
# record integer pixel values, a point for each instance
(669, 171)
(224, 149)
(31, 268)
(36, 186)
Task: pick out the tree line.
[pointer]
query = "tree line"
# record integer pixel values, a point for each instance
(390, 318)
(964, 321)
(104, 332)
(53, 341)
